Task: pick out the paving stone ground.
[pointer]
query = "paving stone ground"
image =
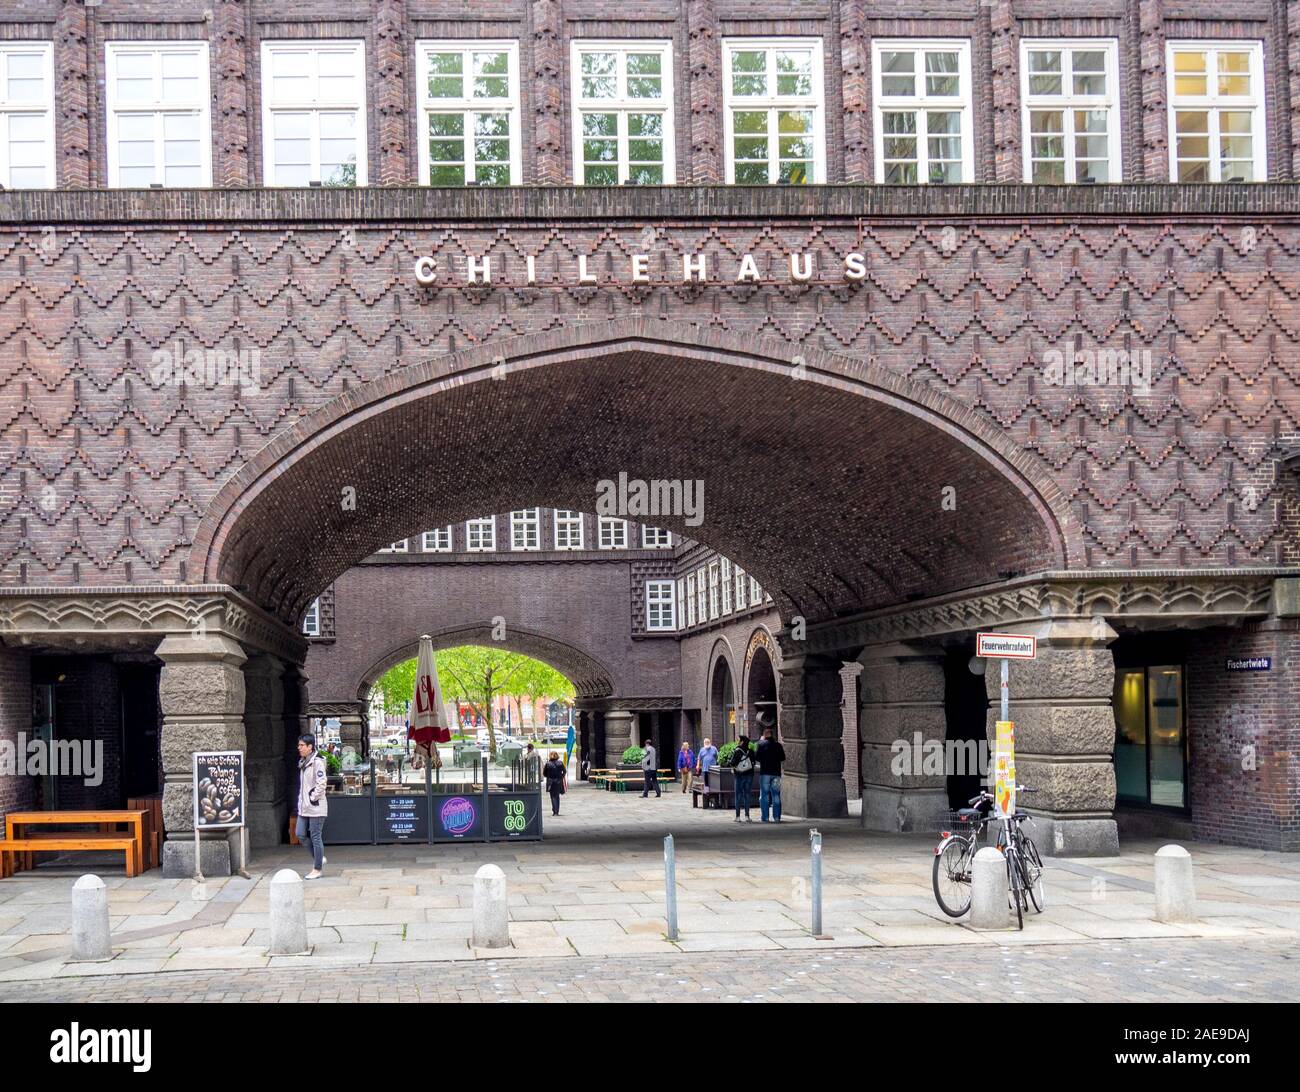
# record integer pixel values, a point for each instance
(594, 891)
(1160, 971)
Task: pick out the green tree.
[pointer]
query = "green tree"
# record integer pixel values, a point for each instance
(397, 685)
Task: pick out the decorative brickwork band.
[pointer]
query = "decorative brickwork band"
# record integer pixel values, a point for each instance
(548, 91)
(1008, 165)
(230, 123)
(705, 64)
(1292, 97)
(1155, 119)
(72, 65)
(855, 48)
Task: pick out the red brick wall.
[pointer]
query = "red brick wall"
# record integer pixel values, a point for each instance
(1231, 711)
(16, 793)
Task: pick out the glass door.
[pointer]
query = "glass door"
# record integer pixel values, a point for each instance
(43, 731)
(1151, 736)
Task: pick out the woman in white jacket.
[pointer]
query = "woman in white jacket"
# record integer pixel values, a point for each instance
(312, 804)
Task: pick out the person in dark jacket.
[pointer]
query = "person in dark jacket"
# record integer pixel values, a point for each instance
(554, 773)
(742, 762)
(770, 756)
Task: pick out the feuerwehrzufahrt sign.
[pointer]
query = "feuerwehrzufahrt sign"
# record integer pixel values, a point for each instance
(1006, 646)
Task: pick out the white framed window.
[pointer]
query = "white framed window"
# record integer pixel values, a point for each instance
(923, 111)
(774, 115)
(715, 604)
(568, 529)
(481, 534)
(437, 542)
(158, 114)
(622, 94)
(702, 595)
(755, 593)
(742, 585)
(526, 529)
(395, 547)
(681, 600)
(659, 614)
(1216, 111)
(726, 586)
(613, 533)
(313, 113)
(469, 113)
(311, 620)
(690, 599)
(1069, 93)
(27, 115)
(655, 538)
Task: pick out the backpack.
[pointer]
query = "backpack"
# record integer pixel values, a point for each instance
(745, 765)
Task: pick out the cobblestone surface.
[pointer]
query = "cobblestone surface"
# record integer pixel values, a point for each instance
(1128, 971)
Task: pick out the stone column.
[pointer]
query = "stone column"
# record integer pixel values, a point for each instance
(849, 674)
(812, 729)
(264, 765)
(354, 731)
(201, 690)
(903, 727)
(618, 735)
(1065, 734)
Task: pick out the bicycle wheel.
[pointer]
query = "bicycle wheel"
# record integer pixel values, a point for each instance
(1015, 881)
(951, 877)
(1032, 866)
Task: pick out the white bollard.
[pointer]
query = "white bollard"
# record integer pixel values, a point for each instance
(90, 933)
(988, 904)
(491, 918)
(1175, 890)
(288, 917)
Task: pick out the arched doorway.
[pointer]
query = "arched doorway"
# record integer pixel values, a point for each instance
(760, 688)
(722, 703)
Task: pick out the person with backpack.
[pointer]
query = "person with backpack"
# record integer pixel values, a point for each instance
(554, 772)
(742, 765)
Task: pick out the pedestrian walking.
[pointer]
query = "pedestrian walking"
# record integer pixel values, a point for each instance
(650, 767)
(555, 774)
(685, 765)
(707, 758)
(312, 804)
(742, 763)
(770, 756)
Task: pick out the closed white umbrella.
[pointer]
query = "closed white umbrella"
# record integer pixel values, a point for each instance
(428, 725)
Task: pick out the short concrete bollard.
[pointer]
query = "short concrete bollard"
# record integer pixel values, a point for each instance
(1175, 889)
(491, 917)
(288, 917)
(989, 908)
(90, 933)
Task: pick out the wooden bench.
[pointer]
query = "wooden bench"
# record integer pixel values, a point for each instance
(713, 798)
(26, 848)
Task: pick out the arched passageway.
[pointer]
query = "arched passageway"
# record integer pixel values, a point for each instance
(722, 703)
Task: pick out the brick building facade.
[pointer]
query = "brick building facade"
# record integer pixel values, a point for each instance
(859, 368)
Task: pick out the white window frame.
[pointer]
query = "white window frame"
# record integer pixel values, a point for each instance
(755, 593)
(529, 522)
(740, 588)
(655, 538)
(316, 107)
(773, 103)
(621, 104)
(606, 536)
(437, 541)
(922, 103)
(10, 108)
(681, 601)
(1213, 103)
(690, 599)
(1068, 102)
(570, 520)
(468, 105)
(399, 547)
(487, 542)
(725, 586)
(311, 619)
(702, 594)
(715, 603)
(159, 107)
(659, 600)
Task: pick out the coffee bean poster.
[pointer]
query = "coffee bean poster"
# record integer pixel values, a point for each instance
(218, 789)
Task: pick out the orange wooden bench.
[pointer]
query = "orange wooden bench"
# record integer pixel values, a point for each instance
(25, 848)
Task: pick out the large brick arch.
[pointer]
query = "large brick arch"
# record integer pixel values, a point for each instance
(824, 476)
(590, 678)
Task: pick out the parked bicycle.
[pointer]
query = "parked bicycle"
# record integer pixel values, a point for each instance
(954, 859)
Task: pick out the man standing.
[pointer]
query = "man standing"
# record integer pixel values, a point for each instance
(650, 767)
(770, 756)
(312, 804)
(685, 765)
